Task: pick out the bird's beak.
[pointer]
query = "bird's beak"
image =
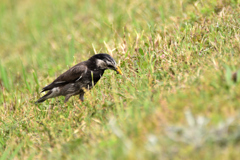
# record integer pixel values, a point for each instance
(118, 70)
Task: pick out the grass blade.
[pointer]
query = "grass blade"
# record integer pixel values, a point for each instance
(4, 77)
(16, 151)
(25, 78)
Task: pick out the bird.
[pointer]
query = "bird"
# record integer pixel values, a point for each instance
(80, 78)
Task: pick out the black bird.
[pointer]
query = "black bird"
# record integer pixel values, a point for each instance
(80, 78)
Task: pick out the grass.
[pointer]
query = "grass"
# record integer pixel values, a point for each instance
(176, 100)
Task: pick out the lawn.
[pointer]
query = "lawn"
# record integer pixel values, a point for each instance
(176, 99)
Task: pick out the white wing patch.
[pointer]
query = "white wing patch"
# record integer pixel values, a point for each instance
(59, 82)
(85, 71)
(79, 78)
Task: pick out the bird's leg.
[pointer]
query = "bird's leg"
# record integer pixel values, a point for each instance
(81, 96)
(67, 98)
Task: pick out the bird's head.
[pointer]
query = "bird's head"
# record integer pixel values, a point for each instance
(105, 61)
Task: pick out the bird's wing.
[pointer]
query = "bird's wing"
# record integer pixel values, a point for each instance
(72, 75)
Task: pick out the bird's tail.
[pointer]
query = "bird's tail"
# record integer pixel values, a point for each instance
(43, 98)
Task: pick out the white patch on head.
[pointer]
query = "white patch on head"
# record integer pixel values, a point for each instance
(107, 63)
(100, 63)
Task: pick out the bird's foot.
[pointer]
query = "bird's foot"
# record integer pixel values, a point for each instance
(79, 101)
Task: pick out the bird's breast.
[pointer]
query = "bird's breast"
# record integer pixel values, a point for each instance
(96, 75)
(92, 77)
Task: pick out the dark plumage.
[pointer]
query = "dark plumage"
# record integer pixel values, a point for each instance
(80, 77)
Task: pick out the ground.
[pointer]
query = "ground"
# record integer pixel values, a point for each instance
(176, 100)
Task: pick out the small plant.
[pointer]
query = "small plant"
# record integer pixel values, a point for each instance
(198, 131)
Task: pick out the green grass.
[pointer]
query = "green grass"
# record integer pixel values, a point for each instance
(176, 100)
